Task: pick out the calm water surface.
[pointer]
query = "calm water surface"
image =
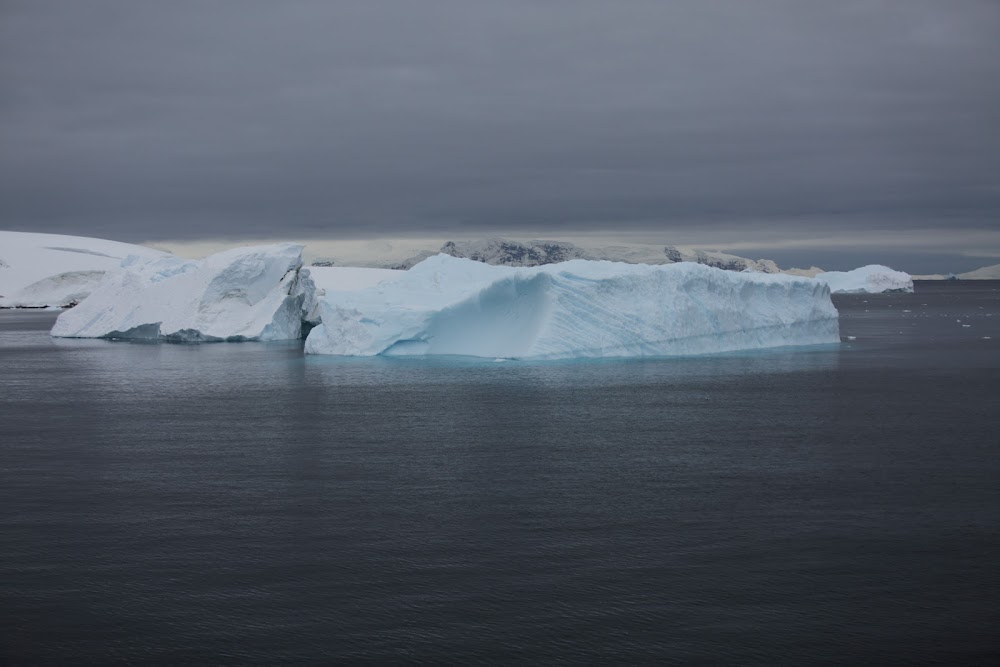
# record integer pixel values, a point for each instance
(242, 503)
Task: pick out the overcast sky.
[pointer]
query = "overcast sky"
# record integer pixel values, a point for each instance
(830, 129)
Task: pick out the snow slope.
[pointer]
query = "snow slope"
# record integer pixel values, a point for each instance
(872, 279)
(579, 308)
(983, 273)
(349, 278)
(38, 270)
(251, 293)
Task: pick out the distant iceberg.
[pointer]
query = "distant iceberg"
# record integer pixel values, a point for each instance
(871, 279)
(450, 306)
(252, 293)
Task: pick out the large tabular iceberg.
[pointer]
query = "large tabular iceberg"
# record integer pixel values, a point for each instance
(578, 308)
(872, 279)
(243, 294)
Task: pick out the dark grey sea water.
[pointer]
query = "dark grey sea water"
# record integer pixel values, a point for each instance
(241, 503)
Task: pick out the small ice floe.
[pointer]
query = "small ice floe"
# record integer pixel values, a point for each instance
(499, 360)
(987, 337)
(851, 337)
(907, 311)
(966, 326)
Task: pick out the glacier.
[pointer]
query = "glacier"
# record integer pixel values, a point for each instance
(871, 279)
(255, 293)
(55, 270)
(580, 308)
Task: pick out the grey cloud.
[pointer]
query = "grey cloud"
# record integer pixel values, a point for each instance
(143, 120)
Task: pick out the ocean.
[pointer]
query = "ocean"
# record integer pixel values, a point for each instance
(243, 503)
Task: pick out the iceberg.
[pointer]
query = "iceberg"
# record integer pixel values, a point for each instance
(871, 279)
(349, 278)
(254, 293)
(454, 306)
(580, 308)
(325, 280)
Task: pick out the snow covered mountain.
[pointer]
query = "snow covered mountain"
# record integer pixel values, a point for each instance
(723, 261)
(39, 270)
(983, 273)
(507, 252)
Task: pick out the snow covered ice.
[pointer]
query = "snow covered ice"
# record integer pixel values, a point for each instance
(349, 278)
(55, 270)
(254, 293)
(580, 308)
(452, 306)
(872, 279)
(325, 280)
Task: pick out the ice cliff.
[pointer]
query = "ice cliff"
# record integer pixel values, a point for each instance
(255, 293)
(579, 308)
(872, 279)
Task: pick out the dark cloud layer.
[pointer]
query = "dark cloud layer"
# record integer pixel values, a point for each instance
(142, 120)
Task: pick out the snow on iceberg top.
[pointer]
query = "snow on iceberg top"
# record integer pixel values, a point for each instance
(871, 279)
(349, 278)
(250, 293)
(578, 308)
(39, 270)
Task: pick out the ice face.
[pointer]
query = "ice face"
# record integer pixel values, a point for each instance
(579, 308)
(243, 294)
(872, 279)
